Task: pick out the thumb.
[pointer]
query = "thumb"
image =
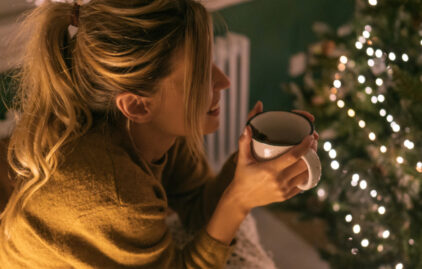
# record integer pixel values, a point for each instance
(245, 154)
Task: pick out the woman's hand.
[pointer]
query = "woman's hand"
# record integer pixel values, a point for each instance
(261, 183)
(312, 119)
(258, 108)
(257, 183)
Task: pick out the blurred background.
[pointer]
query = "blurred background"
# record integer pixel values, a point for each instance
(356, 66)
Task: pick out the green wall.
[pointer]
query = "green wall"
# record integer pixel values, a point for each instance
(278, 29)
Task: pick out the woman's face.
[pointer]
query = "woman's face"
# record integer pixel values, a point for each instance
(170, 112)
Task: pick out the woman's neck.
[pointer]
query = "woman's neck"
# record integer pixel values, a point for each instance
(147, 143)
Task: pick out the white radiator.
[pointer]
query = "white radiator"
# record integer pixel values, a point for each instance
(231, 54)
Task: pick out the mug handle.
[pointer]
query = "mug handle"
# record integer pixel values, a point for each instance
(314, 169)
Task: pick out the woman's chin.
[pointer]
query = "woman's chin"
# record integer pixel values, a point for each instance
(211, 127)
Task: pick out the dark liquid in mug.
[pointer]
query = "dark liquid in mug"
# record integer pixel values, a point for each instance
(286, 134)
(260, 136)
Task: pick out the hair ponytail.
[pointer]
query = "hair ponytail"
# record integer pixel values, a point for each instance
(51, 113)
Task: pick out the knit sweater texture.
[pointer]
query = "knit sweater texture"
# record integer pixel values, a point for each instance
(104, 209)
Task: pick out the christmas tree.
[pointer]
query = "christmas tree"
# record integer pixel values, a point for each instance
(363, 83)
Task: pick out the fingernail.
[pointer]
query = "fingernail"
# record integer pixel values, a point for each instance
(245, 132)
(310, 139)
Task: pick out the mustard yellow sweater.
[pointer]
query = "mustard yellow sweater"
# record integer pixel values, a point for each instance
(103, 209)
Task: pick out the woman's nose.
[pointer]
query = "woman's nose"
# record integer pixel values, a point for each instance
(221, 81)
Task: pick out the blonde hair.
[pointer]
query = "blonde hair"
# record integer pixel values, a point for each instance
(67, 85)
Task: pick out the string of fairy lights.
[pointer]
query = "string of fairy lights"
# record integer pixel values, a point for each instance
(375, 56)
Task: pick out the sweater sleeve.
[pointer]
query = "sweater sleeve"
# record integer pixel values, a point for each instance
(137, 237)
(193, 189)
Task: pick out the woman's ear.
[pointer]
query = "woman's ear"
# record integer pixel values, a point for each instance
(136, 108)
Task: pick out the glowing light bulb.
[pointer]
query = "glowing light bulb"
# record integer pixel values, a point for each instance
(368, 90)
(390, 118)
(381, 210)
(366, 34)
(405, 57)
(337, 83)
(336, 207)
(371, 62)
(395, 127)
(332, 154)
(381, 98)
(392, 56)
(348, 218)
(343, 59)
(340, 103)
(380, 248)
(373, 193)
(419, 167)
(378, 53)
(386, 234)
(362, 124)
(374, 99)
(373, 2)
(321, 193)
(356, 228)
(363, 184)
(364, 243)
(355, 180)
(370, 51)
(351, 113)
(409, 144)
(372, 136)
(358, 45)
(383, 112)
(361, 79)
(368, 28)
(327, 146)
(335, 165)
(362, 39)
(383, 149)
(399, 266)
(400, 159)
(379, 81)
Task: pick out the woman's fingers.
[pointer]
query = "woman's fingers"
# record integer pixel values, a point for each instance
(312, 119)
(302, 178)
(315, 144)
(244, 155)
(293, 155)
(291, 193)
(292, 171)
(258, 108)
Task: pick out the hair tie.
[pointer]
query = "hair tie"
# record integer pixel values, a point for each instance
(75, 15)
(74, 20)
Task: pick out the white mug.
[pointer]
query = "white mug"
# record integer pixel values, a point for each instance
(275, 132)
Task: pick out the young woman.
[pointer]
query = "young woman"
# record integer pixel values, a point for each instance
(110, 137)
